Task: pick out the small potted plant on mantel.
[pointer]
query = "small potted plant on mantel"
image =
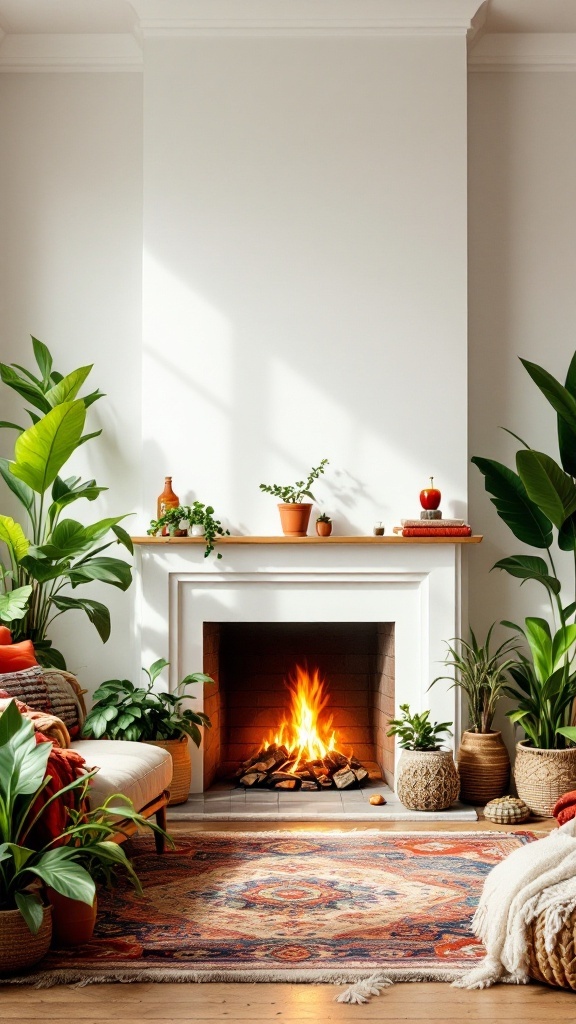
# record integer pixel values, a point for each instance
(483, 760)
(123, 711)
(427, 776)
(323, 525)
(295, 513)
(196, 520)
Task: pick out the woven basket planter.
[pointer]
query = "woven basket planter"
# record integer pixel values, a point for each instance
(483, 766)
(20, 949)
(427, 780)
(181, 768)
(542, 776)
(557, 968)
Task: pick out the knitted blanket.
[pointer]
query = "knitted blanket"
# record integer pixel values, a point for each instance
(539, 877)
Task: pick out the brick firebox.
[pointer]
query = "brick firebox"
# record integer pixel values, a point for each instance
(250, 663)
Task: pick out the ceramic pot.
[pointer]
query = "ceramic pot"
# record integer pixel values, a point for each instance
(483, 766)
(543, 776)
(323, 529)
(294, 518)
(20, 949)
(72, 921)
(179, 751)
(196, 530)
(427, 780)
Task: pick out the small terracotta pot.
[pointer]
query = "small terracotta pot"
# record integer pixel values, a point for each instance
(72, 921)
(323, 529)
(295, 518)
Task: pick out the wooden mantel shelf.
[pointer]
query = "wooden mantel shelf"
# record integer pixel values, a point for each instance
(393, 539)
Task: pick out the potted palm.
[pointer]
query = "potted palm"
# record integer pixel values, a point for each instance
(295, 513)
(196, 520)
(63, 864)
(534, 502)
(123, 711)
(427, 776)
(483, 761)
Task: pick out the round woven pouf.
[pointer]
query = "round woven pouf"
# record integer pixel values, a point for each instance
(557, 968)
(507, 810)
(543, 776)
(427, 780)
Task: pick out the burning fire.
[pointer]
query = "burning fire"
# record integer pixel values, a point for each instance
(302, 733)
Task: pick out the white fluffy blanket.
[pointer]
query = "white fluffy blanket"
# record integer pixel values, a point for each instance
(540, 876)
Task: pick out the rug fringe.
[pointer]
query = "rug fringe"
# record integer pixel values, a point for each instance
(81, 979)
(362, 991)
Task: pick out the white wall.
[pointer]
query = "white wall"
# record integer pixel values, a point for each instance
(70, 274)
(305, 272)
(522, 298)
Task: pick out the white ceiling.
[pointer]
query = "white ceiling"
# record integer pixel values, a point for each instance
(110, 16)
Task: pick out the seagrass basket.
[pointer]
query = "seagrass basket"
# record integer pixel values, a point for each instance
(181, 768)
(507, 810)
(483, 766)
(427, 780)
(543, 776)
(20, 949)
(557, 968)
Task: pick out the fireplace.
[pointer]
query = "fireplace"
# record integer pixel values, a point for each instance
(380, 599)
(254, 667)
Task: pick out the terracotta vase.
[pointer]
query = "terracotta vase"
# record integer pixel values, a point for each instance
(166, 501)
(427, 780)
(72, 921)
(323, 529)
(294, 518)
(484, 767)
(543, 776)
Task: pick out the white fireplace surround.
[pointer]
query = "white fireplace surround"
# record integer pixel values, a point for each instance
(415, 586)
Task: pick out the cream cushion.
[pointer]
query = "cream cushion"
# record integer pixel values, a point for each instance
(137, 770)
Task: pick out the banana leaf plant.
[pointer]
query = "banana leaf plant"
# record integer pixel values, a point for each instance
(537, 501)
(48, 555)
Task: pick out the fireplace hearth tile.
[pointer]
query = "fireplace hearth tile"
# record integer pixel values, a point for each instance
(237, 804)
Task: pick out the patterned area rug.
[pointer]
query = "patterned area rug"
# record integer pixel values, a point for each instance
(291, 906)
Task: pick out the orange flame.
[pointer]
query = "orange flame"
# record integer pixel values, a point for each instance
(302, 733)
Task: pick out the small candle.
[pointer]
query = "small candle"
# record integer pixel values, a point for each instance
(378, 530)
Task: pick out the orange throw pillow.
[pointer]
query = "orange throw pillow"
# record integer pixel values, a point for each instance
(5, 636)
(14, 657)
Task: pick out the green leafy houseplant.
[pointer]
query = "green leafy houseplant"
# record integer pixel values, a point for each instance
(481, 674)
(67, 862)
(323, 518)
(534, 501)
(49, 553)
(199, 514)
(416, 732)
(295, 493)
(122, 711)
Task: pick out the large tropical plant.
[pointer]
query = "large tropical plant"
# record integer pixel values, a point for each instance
(48, 555)
(534, 501)
(68, 861)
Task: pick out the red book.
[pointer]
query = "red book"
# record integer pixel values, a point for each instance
(447, 531)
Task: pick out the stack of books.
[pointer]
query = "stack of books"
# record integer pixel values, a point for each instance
(433, 528)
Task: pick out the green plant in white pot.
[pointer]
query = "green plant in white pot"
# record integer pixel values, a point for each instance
(427, 776)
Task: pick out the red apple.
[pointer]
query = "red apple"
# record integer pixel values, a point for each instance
(430, 496)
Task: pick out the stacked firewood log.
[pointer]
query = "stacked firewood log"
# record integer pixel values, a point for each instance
(276, 768)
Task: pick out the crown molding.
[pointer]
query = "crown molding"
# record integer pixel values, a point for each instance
(523, 51)
(69, 52)
(315, 17)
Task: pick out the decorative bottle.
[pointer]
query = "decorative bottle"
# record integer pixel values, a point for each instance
(166, 500)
